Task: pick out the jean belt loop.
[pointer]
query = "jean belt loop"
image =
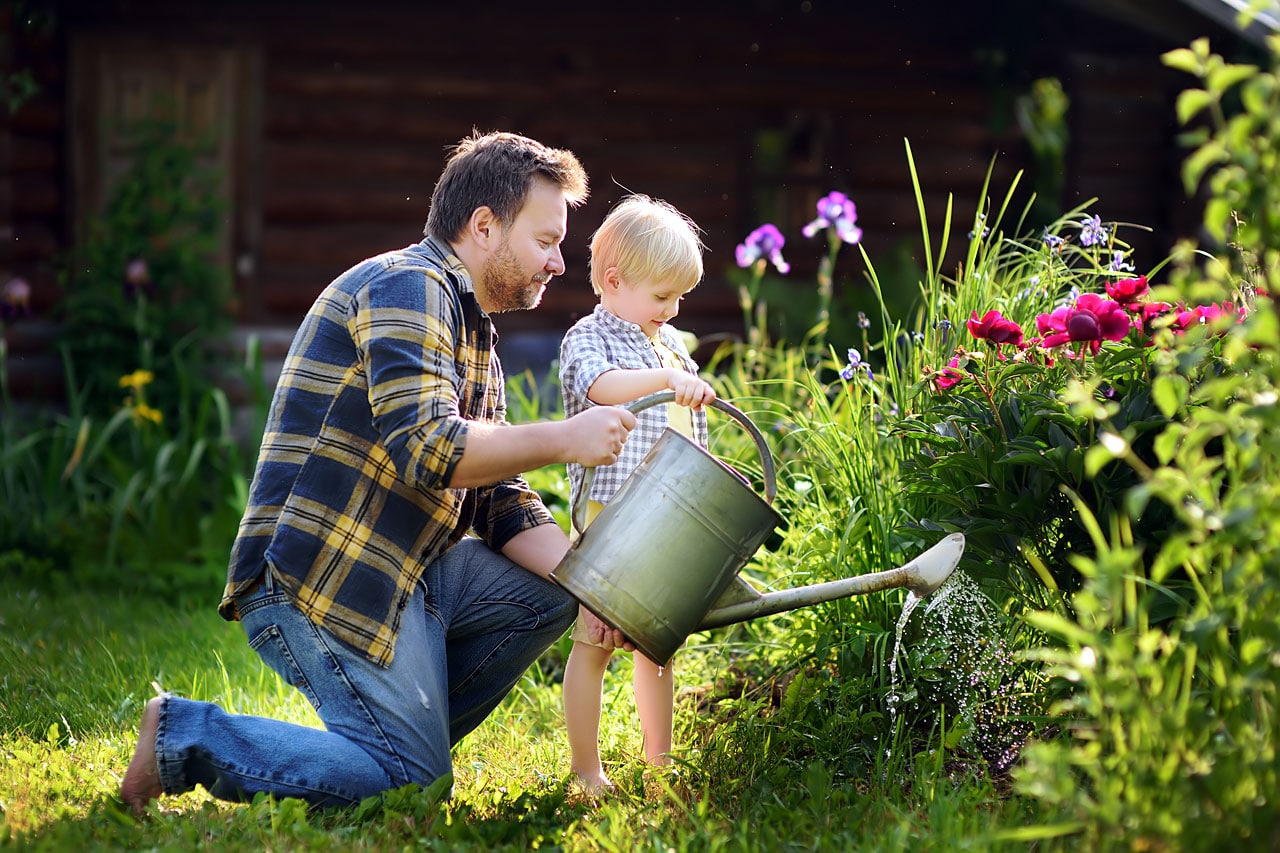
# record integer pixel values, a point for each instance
(269, 578)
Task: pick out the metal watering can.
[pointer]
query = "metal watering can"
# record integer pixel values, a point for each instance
(661, 560)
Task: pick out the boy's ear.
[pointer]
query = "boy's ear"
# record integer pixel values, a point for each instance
(612, 278)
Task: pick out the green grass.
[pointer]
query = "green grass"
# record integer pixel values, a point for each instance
(78, 667)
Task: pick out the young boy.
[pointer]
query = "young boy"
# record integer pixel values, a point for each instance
(645, 257)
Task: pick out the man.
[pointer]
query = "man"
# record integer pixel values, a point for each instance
(386, 443)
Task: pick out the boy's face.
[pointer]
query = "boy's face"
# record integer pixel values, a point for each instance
(648, 304)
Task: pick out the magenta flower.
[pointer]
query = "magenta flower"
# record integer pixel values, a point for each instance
(137, 277)
(995, 328)
(1127, 291)
(1090, 321)
(1146, 313)
(837, 212)
(764, 242)
(1204, 315)
(950, 376)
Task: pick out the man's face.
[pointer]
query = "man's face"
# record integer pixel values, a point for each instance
(527, 254)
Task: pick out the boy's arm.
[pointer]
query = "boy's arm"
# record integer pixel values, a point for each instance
(619, 386)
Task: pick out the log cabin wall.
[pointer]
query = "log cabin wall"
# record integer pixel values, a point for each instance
(738, 113)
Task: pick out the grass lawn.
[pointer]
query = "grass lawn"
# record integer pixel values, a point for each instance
(77, 668)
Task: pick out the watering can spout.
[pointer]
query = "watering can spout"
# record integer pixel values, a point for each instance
(922, 576)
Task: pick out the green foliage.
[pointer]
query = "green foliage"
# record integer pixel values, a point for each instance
(1042, 115)
(140, 482)
(142, 291)
(1174, 721)
(123, 501)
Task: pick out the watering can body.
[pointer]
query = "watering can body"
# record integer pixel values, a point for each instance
(661, 559)
(664, 549)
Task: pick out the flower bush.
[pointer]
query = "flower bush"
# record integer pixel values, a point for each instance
(139, 481)
(1004, 446)
(1105, 435)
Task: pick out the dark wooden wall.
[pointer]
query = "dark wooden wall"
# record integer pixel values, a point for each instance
(736, 112)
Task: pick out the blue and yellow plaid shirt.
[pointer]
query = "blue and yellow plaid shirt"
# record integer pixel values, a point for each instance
(349, 499)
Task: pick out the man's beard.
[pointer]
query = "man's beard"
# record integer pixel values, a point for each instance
(505, 285)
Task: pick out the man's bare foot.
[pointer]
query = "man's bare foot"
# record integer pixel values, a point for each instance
(141, 782)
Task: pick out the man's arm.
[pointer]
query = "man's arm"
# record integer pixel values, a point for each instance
(496, 452)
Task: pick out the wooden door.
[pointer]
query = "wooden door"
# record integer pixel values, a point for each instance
(211, 94)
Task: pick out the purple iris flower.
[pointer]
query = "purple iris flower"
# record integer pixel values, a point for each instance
(1091, 231)
(855, 364)
(835, 210)
(764, 242)
(1118, 263)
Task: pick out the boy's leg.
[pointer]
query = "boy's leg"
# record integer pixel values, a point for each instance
(583, 677)
(655, 696)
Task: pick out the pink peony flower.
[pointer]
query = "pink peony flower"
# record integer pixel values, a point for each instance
(1205, 314)
(1127, 291)
(995, 328)
(1090, 321)
(951, 375)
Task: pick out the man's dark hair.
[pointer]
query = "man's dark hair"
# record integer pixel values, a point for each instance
(496, 170)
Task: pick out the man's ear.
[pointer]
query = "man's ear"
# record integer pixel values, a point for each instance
(481, 226)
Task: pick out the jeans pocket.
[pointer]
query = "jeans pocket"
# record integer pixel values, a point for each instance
(271, 646)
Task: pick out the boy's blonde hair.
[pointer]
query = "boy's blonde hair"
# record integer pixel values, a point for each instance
(647, 240)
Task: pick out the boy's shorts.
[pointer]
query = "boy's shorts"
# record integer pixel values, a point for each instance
(579, 633)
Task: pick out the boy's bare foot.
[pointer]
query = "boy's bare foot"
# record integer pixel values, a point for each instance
(593, 784)
(141, 782)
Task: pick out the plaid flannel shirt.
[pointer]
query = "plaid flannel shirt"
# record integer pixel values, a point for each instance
(602, 341)
(349, 500)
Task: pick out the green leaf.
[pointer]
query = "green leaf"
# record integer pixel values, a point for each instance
(1095, 458)
(1059, 626)
(1170, 393)
(1191, 102)
(1217, 213)
(1223, 78)
(1194, 167)
(1182, 59)
(1137, 499)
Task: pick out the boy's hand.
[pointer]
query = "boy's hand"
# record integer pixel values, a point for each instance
(691, 390)
(600, 632)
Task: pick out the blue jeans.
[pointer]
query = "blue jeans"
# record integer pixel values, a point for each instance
(463, 644)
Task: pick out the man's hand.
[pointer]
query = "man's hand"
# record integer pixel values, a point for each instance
(599, 632)
(597, 435)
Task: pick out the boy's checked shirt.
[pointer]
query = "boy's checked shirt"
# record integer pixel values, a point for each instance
(603, 341)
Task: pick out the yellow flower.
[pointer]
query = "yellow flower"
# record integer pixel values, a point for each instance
(137, 379)
(143, 412)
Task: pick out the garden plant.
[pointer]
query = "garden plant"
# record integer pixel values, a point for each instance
(1101, 673)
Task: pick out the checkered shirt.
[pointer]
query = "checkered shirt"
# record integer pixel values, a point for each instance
(602, 341)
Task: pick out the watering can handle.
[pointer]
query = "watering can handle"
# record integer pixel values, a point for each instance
(579, 513)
